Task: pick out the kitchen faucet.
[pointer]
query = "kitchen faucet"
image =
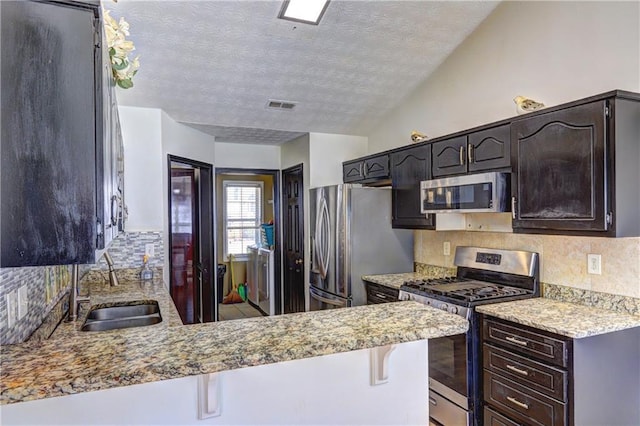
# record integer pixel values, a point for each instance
(74, 298)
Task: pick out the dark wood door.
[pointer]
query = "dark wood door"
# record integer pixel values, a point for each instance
(558, 177)
(206, 248)
(408, 168)
(293, 233)
(48, 138)
(489, 149)
(191, 285)
(449, 157)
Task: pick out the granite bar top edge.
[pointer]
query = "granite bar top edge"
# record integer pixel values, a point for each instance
(58, 367)
(567, 319)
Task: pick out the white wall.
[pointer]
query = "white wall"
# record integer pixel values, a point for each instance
(553, 52)
(246, 156)
(327, 152)
(143, 166)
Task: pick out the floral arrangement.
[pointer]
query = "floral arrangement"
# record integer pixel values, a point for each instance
(119, 49)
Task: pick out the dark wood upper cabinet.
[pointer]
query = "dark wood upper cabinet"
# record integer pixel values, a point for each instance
(482, 150)
(573, 168)
(52, 133)
(409, 167)
(489, 149)
(449, 157)
(366, 170)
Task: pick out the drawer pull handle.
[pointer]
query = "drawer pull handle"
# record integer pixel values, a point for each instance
(518, 403)
(432, 401)
(381, 296)
(516, 341)
(518, 370)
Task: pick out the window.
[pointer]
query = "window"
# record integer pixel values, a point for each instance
(242, 205)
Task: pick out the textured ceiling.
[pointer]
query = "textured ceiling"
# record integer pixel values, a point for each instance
(216, 64)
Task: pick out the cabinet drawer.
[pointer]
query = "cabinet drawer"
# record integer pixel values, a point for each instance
(540, 377)
(493, 418)
(541, 346)
(380, 294)
(521, 403)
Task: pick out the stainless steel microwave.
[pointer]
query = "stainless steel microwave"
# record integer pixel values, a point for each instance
(479, 193)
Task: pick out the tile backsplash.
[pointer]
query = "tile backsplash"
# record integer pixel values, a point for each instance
(563, 259)
(46, 285)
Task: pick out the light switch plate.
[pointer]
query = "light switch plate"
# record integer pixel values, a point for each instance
(12, 301)
(149, 249)
(23, 301)
(594, 264)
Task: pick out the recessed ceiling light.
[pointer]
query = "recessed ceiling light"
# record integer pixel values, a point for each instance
(306, 11)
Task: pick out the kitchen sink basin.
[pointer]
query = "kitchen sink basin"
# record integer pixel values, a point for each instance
(123, 315)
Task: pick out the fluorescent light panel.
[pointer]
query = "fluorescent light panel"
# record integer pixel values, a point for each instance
(307, 11)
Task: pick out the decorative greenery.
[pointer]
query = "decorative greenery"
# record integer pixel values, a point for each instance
(119, 49)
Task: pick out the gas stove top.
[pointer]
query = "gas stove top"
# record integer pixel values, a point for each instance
(483, 276)
(463, 289)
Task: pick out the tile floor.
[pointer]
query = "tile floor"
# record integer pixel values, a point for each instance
(237, 311)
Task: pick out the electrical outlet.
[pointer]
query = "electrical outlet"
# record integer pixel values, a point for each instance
(23, 302)
(446, 248)
(11, 308)
(149, 249)
(594, 264)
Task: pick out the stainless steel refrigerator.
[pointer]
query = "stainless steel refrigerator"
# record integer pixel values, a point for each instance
(351, 236)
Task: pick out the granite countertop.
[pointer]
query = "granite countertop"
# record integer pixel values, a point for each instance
(393, 280)
(102, 360)
(566, 319)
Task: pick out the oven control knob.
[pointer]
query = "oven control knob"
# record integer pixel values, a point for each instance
(453, 309)
(444, 307)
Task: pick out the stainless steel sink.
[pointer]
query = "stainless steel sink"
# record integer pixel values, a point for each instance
(123, 315)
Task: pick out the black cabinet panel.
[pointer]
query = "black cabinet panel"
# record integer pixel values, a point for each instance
(449, 157)
(489, 149)
(408, 168)
(352, 172)
(48, 134)
(366, 170)
(559, 170)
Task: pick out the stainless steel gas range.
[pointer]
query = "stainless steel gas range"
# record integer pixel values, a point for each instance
(455, 365)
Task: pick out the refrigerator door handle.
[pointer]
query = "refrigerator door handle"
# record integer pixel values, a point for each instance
(323, 242)
(325, 300)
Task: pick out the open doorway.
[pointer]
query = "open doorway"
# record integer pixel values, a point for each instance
(247, 243)
(191, 282)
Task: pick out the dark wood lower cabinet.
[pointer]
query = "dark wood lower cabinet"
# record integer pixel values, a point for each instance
(534, 377)
(377, 293)
(493, 418)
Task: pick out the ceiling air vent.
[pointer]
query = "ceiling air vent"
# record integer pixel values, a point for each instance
(286, 105)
